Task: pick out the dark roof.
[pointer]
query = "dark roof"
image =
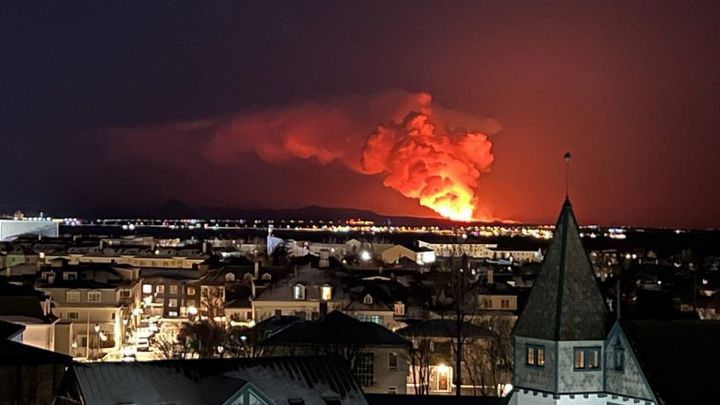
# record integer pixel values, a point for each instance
(393, 399)
(677, 358)
(213, 381)
(442, 328)
(9, 330)
(336, 328)
(14, 353)
(565, 302)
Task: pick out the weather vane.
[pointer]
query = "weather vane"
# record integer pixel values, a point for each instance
(568, 158)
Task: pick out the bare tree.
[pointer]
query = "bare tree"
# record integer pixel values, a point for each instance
(420, 359)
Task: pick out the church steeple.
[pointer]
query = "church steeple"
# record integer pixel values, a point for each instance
(565, 303)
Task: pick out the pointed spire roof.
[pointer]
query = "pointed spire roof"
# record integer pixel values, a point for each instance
(565, 302)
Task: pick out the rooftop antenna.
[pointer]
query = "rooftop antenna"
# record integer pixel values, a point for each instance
(568, 158)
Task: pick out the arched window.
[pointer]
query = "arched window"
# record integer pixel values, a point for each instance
(229, 277)
(248, 276)
(299, 292)
(368, 300)
(267, 277)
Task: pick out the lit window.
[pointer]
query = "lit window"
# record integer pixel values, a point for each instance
(230, 277)
(535, 356)
(94, 296)
(160, 289)
(326, 292)
(73, 296)
(172, 313)
(190, 291)
(299, 292)
(147, 288)
(399, 309)
(173, 289)
(173, 303)
(587, 358)
(368, 300)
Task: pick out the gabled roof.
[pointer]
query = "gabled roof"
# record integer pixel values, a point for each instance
(9, 330)
(443, 328)
(18, 354)
(214, 381)
(565, 302)
(677, 357)
(335, 329)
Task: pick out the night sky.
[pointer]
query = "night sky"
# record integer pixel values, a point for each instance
(110, 107)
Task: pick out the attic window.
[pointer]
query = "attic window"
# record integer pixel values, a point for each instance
(266, 277)
(399, 309)
(299, 292)
(587, 358)
(248, 276)
(229, 277)
(618, 356)
(535, 356)
(368, 300)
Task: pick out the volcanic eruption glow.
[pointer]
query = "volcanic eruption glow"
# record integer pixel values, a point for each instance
(440, 169)
(417, 150)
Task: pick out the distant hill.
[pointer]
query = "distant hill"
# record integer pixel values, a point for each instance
(176, 208)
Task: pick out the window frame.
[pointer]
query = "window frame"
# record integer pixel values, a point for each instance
(97, 294)
(74, 294)
(538, 355)
(393, 361)
(587, 353)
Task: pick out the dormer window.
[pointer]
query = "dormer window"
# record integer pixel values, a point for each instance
(248, 276)
(299, 292)
(399, 309)
(267, 277)
(535, 356)
(618, 356)
(368, 299)
(326, 292)
(229, 277)
(587, 358)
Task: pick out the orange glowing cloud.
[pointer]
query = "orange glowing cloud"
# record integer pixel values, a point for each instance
(439, 169)
(422, 149)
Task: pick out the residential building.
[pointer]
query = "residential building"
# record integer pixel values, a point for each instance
(306, 293)
(29, 375)
(419, 255)
(257, 381)
(29, 308)
(377, 357)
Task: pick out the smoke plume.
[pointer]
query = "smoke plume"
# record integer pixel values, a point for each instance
(421, 150)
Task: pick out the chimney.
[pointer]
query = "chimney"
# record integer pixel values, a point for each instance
(491, 276)
(204, 247)
(257, 270)
(252, 286)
